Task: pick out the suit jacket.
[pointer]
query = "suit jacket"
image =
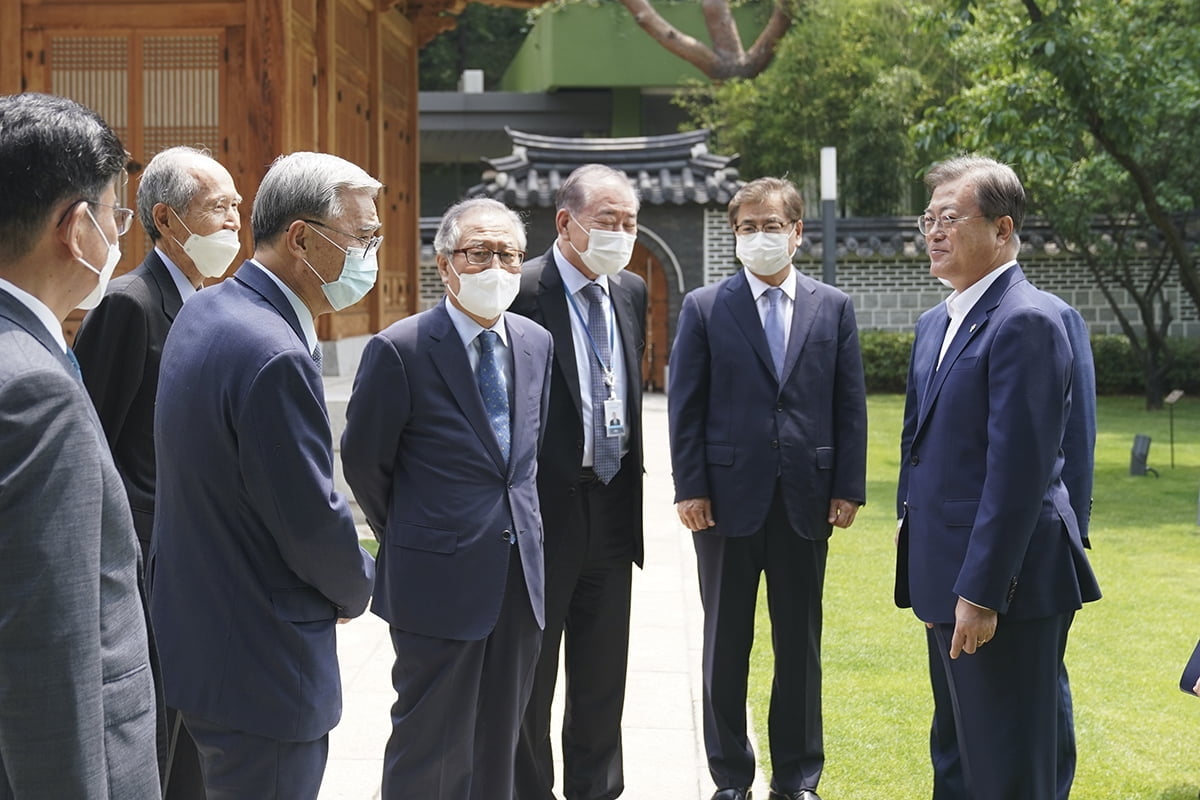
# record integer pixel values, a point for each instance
(735, 427)
(119, 347)
(542, 299)
(77, 698)
(985, 514)
(426, 468)
(255, 555)
(1079, 439)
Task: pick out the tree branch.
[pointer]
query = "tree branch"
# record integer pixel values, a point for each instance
(763, 49)
(675, 41)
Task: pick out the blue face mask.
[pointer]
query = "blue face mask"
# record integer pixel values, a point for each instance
(358, 276)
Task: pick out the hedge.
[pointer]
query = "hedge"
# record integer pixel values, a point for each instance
(885, 362)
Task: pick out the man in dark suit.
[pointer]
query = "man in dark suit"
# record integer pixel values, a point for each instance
(255, 556)
(190, 208)
(768, 426)
(1079, 441)
(989, 549)
(77, 697)
(440, 448)
(589, 481)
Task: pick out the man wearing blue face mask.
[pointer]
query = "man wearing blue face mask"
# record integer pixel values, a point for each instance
(189, 206)
(255, 555)
(768, 427)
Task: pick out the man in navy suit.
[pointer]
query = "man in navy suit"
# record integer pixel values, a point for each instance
(989, 549)
(189, 206)
(255, 556)
(440, 448)
(768, 426)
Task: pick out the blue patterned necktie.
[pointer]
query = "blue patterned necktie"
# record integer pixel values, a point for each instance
(606, 450)
(773, 327)
(74, 363)
(493, 391)
(316, 355)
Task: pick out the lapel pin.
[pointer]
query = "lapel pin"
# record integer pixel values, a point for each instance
(973, 327)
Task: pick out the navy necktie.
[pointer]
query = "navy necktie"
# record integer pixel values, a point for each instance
(773, 327)
(493, 390)
(606, 450)
(316, 355)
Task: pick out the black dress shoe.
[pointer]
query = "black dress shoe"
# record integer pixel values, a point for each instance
(733, 794)
(799, 794)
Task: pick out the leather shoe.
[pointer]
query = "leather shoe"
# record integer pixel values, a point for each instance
(732, 794)
(799, 794)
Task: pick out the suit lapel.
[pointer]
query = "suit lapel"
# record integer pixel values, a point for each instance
(741, 306)
(167, 291)
(929, 344)
(971, 326)
(631, 333)
(16, 311)
(253, 277)
(804, 313)
(552, 300)
(526, 389)
(450, 359)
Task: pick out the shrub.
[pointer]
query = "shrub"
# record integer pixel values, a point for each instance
(885, 360)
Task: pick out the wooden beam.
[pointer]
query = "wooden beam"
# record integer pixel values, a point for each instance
(143, 15)
(10, 48)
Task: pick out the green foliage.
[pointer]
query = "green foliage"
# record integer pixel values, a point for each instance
(1135, 729)
(486, 37)
(849, 73)
(885, 363)
(885, 360)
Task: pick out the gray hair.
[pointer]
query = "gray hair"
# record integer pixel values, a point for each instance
(448, 232)
(998, 190)
(573, 194)
(303, 185)
(168, 179)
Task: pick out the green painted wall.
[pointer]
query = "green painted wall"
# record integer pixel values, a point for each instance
(583, 46)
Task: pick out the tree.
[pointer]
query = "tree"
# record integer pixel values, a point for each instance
(1097, 105)
(726, 58)
(854, 75)
(484, 37)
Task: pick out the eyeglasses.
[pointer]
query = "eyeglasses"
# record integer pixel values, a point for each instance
(123, 217)
(482, 256)
(928, 224)
(369, 243)
(771, 226)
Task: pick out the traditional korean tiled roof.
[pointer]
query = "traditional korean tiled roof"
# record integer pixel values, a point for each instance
(673, 169)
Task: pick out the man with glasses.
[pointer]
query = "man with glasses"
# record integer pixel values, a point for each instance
(768, 427)
(255, 555)
(589, 481)
(989, 548)
(77, 695)
(440, 447)
(189, 206)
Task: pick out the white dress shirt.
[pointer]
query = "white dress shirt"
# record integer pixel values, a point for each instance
(959, 304)
(39, 309)
(469, 330)
(787, 303)
(574, 281)
(302, 313)
(184, 286)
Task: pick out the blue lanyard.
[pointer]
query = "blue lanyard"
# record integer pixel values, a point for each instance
(610, 377)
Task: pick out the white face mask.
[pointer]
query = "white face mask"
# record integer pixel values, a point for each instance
(106, 272)
(212, 254)
(764, 253)
(488, 293)
(608, 252)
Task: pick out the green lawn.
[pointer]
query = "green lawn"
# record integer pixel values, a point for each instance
(1139, 736)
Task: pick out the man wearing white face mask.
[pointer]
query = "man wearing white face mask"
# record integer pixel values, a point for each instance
(188, 204)
(255, 555)
(589, 480)
(77, 698)
(440, 447)
(768, 425)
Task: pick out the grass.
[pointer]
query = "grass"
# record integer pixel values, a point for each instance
(1136, 731)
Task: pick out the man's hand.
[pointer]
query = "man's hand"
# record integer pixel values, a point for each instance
(974, 627)
(696, 513)
(841, 512)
